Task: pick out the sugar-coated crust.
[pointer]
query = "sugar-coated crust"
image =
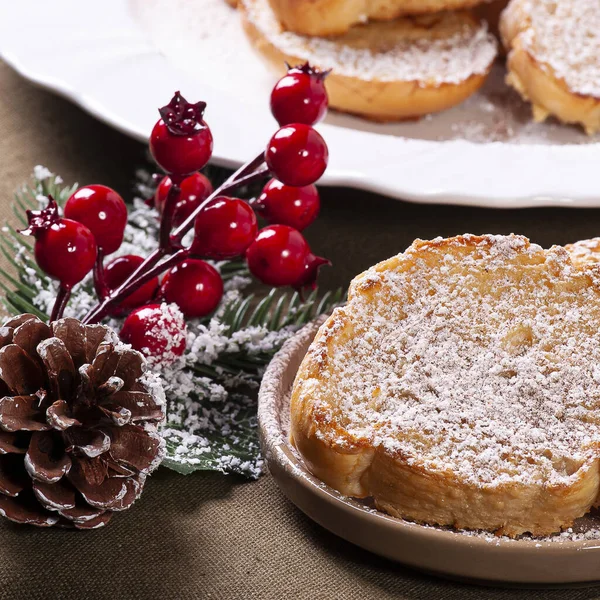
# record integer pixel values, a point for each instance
(403, 483)
(377, 99)
(536, 81)
(585, 253)
(335, 17)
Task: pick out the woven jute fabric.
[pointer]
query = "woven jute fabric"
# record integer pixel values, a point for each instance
(207, 535)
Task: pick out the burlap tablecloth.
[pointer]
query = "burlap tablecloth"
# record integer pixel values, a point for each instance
(207, 535)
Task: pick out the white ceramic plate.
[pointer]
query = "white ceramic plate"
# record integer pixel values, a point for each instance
(121, 59)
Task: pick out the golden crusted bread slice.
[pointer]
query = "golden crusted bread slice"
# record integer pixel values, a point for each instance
(335, 17)
(460, 386)
(385, 71)
(554, 58)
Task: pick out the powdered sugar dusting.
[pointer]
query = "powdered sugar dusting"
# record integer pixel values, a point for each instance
(566, 36)
(468, 51)
(585, 252)
(275, 423)
(481, 362)
(274, 415)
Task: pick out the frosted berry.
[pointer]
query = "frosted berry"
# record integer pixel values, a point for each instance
(195, 286)
(102, 211)
(297, 207)
(181, 141)
(300, 96)
(194, 190)
(117, 271)
(64, 249)
(157, 331)
(278, 256)
(224, 229)
(297, 155)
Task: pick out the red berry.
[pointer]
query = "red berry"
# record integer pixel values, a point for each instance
(195, 286)
(181, 141)
(102, 211)
(66, 250)
(224, 229)
(300, 96)
(180, 154)
(162, 191)
(277, 256)
(297, 155)
(117, 271)
(194, 190)
(297, 207)
(156, 330)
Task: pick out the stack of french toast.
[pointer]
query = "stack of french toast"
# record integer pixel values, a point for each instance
(401, 59)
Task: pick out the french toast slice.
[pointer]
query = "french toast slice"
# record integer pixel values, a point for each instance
(460, 386)
(385, 71)
(554, 58)
(335, 17)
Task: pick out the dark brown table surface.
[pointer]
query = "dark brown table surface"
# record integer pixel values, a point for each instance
(208, 535)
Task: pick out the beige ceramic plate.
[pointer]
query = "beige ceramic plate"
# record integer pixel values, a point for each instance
(475, 557)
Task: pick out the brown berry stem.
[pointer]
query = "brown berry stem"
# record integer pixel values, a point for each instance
(246, 174)
(101, 309)
(64, 293)
(166, 221)
(245, 179)
(99, 278)
(170, 262)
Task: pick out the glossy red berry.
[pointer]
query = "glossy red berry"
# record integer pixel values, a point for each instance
(195, 286)
(297, 155)
(66, 250)
(117, 271)
(297, 207)
(194, 190)
(300, 96)
(180, 154)
(181, 142)
(102, 211)
(156, 330)
(224, 229)
(277, 256)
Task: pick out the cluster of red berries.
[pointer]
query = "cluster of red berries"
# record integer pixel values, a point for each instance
(227, 227)
(95, 217)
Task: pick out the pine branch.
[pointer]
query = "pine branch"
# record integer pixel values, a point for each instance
(211, 420)
(278, 313)
(19, 279)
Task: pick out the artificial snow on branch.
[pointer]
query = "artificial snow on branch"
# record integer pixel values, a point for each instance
(211, 388)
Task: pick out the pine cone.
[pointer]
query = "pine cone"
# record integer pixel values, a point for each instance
(78, 423)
